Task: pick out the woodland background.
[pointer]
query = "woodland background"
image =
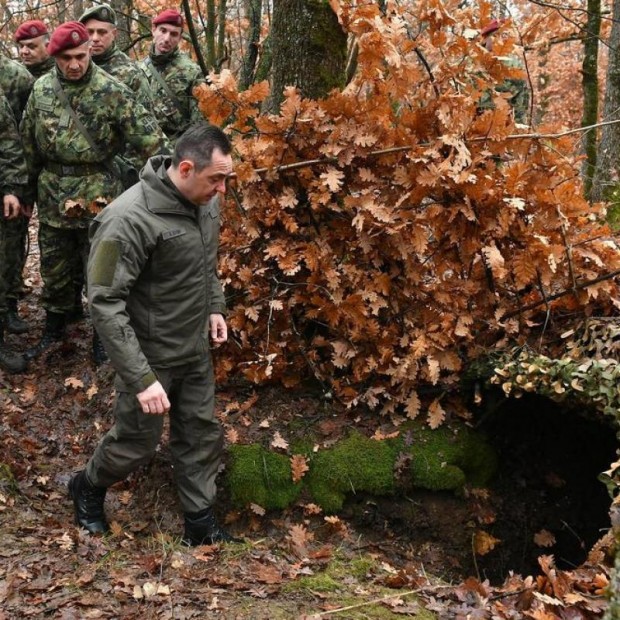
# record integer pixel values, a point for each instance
(384, 232)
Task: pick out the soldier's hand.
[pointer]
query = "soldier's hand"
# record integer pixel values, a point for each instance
(218, 328)
(11, 205)
(154, 399)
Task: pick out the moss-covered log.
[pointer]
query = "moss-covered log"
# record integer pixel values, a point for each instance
(442, 459)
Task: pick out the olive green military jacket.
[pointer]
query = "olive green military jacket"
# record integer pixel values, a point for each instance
(72, 180)
(152, 280)
(13, 173)
(175, 107)
(119, 65)
(16, 83)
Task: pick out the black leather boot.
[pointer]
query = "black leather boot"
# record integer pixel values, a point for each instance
(202, 528)
(9, 360)
(53, 332)
(14, 323)
(99, 354)
(88, 504)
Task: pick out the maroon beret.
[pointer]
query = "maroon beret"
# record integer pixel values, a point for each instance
(30, 29)
(492, 26)
(66, 37)
(169, 16)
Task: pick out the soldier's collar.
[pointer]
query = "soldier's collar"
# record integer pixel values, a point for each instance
(102, 58)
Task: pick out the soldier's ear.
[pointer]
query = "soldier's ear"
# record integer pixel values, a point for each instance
(185, 168)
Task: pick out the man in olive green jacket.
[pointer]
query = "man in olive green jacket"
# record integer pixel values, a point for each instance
(155, 299)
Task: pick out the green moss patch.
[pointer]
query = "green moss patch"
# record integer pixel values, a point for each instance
(442, 459)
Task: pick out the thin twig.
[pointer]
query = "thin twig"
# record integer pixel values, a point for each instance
(375, 601)
(401, 149)
(578, 287)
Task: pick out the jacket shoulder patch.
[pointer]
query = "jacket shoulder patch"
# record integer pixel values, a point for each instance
(106, 258)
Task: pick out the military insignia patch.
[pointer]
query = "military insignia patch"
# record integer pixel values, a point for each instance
(33, 31)
(75, 36)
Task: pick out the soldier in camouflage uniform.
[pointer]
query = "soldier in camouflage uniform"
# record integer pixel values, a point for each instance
(100, 21)
(74, 178)
(172, 76)
(16, 82)
(517, 87)
(31, 38)
(13, 183)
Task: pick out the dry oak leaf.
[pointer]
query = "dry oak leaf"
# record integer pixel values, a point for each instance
(299, 537)
(257, 510)
(544, 538)
(232, 436)
(333, 178)
(74, 382)
(92, 391)
(279, 442)
(484, 543)
(299, 466)
(436, 414)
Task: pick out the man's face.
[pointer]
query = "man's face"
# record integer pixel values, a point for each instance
(166, 37)
(73, 63)
(200, 186)
(102, 35)
(33, 51)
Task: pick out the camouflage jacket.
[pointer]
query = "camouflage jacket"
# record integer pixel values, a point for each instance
(119, 65)
(175, 107)
(73, 181)
(41, 68)
(16, 83)
(13, 174)
(152, 282)
(517, 88)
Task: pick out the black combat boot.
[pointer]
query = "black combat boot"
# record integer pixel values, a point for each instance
(99, 354)
(88, 504)
(54, 332)
(9, 360)
(202, 528)
(14, 323)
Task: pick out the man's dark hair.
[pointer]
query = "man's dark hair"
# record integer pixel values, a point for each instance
(198, 144)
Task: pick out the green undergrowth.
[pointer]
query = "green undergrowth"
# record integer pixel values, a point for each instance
(441, 459)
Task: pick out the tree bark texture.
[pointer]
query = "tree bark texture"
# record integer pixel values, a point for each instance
(309, 49)
(590, 91)
(608, 156)
(254, 11)
(124, 10)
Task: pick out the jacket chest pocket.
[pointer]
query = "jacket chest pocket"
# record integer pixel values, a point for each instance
(177, 254)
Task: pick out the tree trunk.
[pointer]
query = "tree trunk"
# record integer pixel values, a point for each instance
(608, 157)
(309, 49)
(590, 91)
(124, 10)
(254, 9)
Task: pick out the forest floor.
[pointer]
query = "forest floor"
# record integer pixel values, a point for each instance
(412, 556)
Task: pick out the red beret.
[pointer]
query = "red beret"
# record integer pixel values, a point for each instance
(66, 37)
(169, 16)
(492, 26)
(30, 29)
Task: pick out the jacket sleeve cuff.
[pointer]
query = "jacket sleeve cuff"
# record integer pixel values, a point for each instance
(145, 382)
(218, 308)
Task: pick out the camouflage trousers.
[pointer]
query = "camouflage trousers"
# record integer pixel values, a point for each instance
(3, 282)
(16, 243)
(64, 255)
(196, 437)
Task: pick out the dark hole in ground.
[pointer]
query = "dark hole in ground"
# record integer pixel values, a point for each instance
(549, 460)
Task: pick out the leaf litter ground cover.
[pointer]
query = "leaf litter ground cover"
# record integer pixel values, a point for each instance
(378, 558)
